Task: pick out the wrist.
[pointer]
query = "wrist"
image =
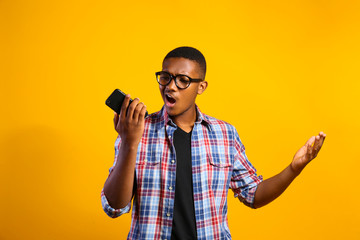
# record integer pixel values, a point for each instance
(295, 170)
(129, 146)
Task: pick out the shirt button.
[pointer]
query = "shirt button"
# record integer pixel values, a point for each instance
(168, 214)
(170, 188)
(173, 161)
(145, 160)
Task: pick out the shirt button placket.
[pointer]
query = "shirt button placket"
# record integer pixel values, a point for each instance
(168, 210)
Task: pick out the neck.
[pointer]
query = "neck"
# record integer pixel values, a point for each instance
(186, 120)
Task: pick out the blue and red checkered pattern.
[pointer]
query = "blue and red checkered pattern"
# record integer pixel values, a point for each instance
(218, 163)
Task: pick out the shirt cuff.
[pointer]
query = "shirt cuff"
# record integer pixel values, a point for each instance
(249, 199)
(112, 212)
(247, 196)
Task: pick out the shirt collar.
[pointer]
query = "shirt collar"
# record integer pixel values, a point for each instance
(200, 118)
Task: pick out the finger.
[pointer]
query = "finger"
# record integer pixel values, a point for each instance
(142, 114)
(315, 148)
(124, 106)
(308, 146)
(310, 142)
(322, 134)
(319, 141)
(116, 119)
(316, 143)
(137, 111)
(131, 109)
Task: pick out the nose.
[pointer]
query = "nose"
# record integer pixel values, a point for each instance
(172, 86)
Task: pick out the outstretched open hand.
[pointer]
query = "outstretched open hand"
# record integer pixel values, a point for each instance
(307, 152)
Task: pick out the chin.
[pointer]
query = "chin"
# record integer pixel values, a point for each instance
(171, 112)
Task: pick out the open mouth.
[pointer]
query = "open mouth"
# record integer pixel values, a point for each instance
(170, 99)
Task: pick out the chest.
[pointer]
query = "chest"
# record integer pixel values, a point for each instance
(211, 160)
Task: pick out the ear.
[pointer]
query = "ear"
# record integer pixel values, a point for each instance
(202, 87)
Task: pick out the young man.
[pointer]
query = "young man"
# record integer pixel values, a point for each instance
(178, 164)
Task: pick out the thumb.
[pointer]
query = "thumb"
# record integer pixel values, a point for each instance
(116, 119)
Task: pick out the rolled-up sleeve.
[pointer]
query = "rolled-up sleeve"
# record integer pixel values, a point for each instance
(110, 211)
(244, 179)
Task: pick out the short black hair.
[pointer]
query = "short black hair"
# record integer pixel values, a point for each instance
(191, 54)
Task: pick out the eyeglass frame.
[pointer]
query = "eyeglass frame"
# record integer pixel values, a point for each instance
(175, 76)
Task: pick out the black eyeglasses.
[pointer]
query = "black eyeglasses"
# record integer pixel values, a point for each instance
(181, 81)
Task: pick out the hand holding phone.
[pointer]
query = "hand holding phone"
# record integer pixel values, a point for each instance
(116, 99)
(129, 119)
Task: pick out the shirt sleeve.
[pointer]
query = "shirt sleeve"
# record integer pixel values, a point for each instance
(244, 179)
(112, 212)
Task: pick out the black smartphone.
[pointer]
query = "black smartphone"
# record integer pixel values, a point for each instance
(115, 100)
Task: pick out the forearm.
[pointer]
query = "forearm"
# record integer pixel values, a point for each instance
(118, 188)
(271, 188)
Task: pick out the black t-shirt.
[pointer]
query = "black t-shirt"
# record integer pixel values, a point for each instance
(184, 224)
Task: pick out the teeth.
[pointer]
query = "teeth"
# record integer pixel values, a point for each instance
(170, 98)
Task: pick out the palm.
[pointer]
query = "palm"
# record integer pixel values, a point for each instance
(308, 152)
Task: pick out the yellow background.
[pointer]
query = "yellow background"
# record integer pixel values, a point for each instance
(280, 71)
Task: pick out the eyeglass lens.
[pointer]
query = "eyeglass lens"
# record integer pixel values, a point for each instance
(180, 81)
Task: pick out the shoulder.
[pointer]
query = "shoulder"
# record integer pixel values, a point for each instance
(224, 131)
(220, 129)
(155, 121)
(154, 118)
(218, 124)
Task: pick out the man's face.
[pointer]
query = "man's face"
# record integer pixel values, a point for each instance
(181, 101)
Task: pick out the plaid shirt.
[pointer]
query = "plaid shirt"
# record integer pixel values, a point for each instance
(218, 163)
